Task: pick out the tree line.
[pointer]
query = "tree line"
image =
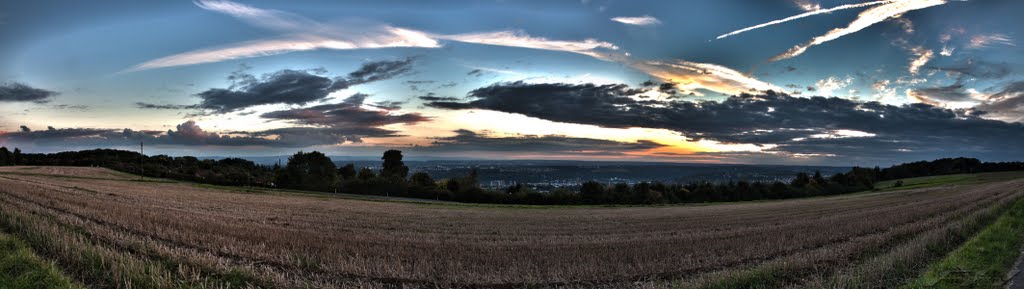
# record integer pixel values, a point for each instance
(314, 171)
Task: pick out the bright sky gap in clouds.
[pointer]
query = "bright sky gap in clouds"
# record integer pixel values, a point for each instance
(828, 83)
(638, 21)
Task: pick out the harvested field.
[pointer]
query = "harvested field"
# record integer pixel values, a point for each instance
(107, 230)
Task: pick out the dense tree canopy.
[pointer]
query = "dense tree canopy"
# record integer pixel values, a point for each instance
(315, 171)
(309, 171)
(393, 166)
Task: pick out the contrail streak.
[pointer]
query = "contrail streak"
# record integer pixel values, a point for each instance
(806, 14)
(864, 20)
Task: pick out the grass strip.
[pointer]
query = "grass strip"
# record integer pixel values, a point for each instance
(947, 180)
(984, 260)
(20, 268)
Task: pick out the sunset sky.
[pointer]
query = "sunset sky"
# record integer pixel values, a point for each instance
(730, 81)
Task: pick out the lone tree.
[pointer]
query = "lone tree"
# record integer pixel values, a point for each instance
(5, 157)
(347, 172)
(366, 174)
(393, 165)
(422, 179)
(802, 180)
(592, 191)
(309, 171)
(16, 157)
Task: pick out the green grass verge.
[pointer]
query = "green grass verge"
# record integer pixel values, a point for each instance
(984, 260)
(21, 268)
(944, 180)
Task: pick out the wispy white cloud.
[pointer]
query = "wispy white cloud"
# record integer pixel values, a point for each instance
(919, 55)
(638, 21)
(905, 24)
(827, 86)
(523, 40)
(948, 35)
(922, 56)
(309, 35)
(385, 37)
(303, 34)
(807, 5)
(806, 14)
(381, 37)
(864, 20)
(947, 51)
(842, 133)
(884, 92)
(987, 40)
(265, 18)
(690, 77)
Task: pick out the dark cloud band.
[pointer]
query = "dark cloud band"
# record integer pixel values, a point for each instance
(18, 92)
(793, 125)
(296, 87)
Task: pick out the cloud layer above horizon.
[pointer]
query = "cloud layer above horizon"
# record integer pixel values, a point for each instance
(881, 82)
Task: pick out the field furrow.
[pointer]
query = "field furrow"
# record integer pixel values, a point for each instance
(230, 237)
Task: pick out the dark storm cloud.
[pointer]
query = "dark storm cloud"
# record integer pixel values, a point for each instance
(379, 70)
(978, 69)
(285, 86)
(449, 105)
(190, 134)
(668, 88)
(419, 81)
(187, 133)
(348, 114)
(327, 124)
(811, 125)
(1008, 103)
(388, 105)
(953, 92)
(438, 98)
(1011, 96)
(518, 96)
(18, 92)
(356, 99)
(336, 123)
(296, 87)
(466, 140)
(78, 107)
(414, 85)
(342, 115)
(432, 97)
(51, 133)
(144, 105)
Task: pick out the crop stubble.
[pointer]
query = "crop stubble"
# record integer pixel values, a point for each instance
(299, 241)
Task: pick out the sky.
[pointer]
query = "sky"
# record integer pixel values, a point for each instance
(730, 81)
